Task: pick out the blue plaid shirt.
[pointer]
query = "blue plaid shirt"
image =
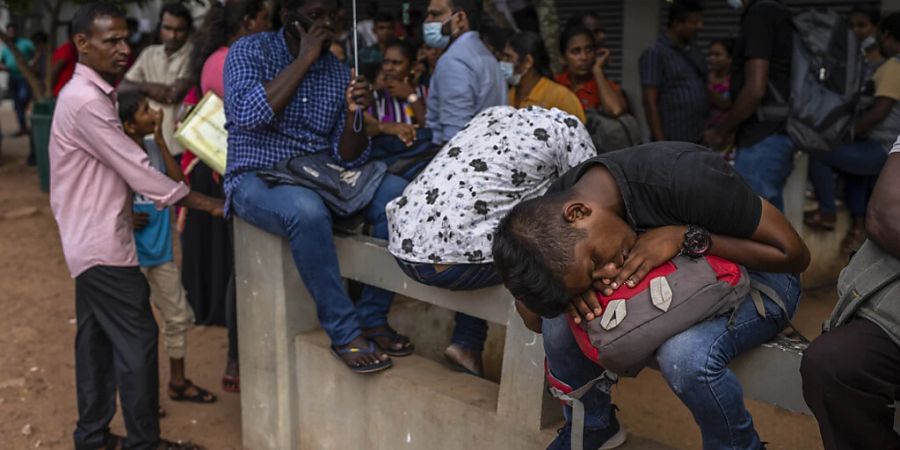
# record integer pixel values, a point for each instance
(312, 122)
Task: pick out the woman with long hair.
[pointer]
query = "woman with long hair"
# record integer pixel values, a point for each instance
(585, 72)
(526, 67)
(206, 242)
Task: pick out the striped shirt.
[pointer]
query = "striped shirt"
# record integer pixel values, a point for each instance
(387, 108)
(680, 74)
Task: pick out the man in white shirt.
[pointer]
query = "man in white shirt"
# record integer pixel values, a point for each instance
(442, 226)
(161, 71)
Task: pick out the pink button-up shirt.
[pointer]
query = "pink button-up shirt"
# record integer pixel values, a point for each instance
(94, 170)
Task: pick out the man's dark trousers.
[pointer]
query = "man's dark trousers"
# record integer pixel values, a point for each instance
(116, 348)
(851, 377)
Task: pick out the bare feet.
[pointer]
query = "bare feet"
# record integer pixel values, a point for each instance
(465, 360)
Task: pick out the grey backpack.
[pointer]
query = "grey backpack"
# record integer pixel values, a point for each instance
(612, 133)
(826, 79)
(636, 321)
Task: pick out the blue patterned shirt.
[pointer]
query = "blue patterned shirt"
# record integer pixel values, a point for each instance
(312, 122)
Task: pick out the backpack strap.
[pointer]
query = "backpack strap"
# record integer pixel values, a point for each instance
(573, 399)
(758, 288)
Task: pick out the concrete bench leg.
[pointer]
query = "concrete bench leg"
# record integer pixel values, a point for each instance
(523, 399)
(273, 307)
(795, 191)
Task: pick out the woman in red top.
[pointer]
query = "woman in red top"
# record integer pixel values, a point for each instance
(584, 73)
(63, 63)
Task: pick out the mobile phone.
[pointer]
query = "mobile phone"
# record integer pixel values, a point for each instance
(297, 20)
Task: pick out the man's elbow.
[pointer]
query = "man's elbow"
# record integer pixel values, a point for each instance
(882, 225)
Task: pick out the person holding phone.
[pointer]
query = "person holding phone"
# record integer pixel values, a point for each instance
(287, 95)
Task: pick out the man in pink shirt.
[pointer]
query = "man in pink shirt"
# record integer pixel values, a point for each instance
(95, 168)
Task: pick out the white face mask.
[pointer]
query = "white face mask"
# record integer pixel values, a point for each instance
(868, 43)
(433, 36)
(736, 4)
(509, 73)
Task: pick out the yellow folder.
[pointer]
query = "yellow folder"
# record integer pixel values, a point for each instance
(203, 132)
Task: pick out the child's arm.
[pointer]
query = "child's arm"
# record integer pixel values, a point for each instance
(173, 170)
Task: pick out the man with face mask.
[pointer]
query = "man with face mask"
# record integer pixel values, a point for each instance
(466, 81)
(161, 71)
(286, 95)
(467, 78)
(862, 159)
(864, 22)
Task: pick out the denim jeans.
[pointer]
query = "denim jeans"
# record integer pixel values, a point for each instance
(861, 161)
(21, 95)
(694, 363)
(766, 166)
(300, 215)
(469, 332)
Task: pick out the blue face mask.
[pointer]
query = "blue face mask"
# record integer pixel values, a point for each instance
(509, 73)
(736, 4)
(433, 36)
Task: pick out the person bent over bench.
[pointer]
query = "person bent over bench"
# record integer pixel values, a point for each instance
(606, 224)
(285, 97)
(442, 227)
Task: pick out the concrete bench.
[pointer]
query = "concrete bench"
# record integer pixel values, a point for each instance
(295, 395)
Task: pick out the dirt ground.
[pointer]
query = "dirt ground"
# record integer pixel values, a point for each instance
(37, 331)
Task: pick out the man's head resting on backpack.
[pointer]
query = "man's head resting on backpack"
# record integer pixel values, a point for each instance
(553, 248)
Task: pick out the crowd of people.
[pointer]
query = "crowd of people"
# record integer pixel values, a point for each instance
(479, 166)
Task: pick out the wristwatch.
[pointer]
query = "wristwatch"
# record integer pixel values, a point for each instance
(697, 242)
(412, 98)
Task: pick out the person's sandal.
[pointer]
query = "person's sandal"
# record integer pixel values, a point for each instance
(820, 220)
(363, 368)
(202, 395)
(395, 338)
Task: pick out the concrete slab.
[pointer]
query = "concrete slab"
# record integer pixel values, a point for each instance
(418, 404)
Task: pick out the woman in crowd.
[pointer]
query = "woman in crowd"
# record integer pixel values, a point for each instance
(400, 99)
(584, 73)
(207, 248)
(526, 67)
(719, 82)
(399, 111)
(426, 61)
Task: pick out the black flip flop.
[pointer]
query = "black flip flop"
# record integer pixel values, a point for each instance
(395, 338)
(366, 368)
(202, 396)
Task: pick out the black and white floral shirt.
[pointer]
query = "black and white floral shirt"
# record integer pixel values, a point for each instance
(504, 155)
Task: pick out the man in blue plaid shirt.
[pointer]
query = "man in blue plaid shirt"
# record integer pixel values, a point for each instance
(287, 95)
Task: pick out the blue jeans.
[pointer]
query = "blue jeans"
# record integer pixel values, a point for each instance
(861, 161)
(469, 332)
(21, 95)
(300, 215)
(694, 364)
(766, 166)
